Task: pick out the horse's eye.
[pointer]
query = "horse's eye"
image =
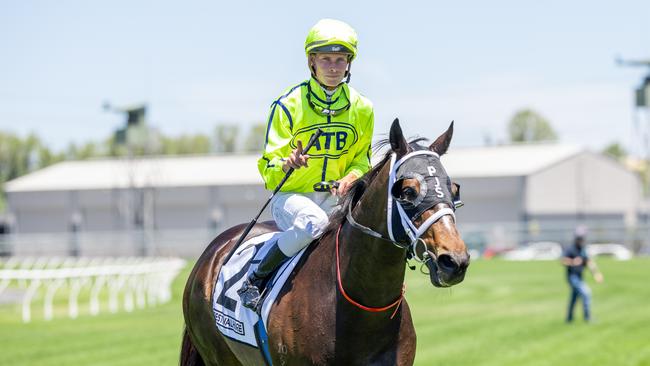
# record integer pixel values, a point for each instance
(409, 193)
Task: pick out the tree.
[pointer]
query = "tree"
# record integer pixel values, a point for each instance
(615, 150)
(186, 144)
(529, 126)
(83, 152)
(20, 156)
(226, 138)
(256, 138)
(3, 204)
(46, 157)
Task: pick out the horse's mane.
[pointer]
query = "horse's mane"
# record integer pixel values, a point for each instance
(359, 186)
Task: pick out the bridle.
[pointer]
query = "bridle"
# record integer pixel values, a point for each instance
(412, 232)
(395, 212)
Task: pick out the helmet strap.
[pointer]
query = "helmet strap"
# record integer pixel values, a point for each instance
(312, 68)
(348, 74)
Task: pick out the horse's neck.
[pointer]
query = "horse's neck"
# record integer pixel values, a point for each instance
(372, 270)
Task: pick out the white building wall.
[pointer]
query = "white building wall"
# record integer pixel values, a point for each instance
(42, 220)
(586, 183)
(169, 208)
(242, 203)
(497, 199)
(39, 211)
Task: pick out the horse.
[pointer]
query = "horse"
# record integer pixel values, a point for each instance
(344, 303)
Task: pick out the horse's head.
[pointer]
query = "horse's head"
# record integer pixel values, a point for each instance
(425, 199)
(420, 205)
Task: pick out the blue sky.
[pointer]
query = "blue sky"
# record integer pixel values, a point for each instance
(201, 63)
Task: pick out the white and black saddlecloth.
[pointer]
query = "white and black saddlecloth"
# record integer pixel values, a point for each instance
(234, 320)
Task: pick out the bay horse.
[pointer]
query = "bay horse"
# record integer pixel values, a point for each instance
(343, 304)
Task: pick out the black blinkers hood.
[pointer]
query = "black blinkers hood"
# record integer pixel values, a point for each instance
(435, 184)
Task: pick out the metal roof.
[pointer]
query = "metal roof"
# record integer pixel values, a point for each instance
(493, 161)
(505, 160)
(146, 172)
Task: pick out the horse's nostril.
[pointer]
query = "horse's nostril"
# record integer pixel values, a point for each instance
(447, 263)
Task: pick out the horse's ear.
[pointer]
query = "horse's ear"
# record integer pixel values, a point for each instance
(441, 144)
(397, 140)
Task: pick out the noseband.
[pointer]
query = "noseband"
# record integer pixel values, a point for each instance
(397, 219)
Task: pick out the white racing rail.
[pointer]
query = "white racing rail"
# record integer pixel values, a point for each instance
(140, 281)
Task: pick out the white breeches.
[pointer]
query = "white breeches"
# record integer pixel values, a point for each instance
(302, 217)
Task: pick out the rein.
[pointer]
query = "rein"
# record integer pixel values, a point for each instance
(412, 232)
(395, 304)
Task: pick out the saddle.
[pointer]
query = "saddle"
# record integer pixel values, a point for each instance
(233, 320)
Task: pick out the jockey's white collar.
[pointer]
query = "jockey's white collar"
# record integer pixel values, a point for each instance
(328, 92)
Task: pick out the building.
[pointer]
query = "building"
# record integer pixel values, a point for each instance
(524, 189)
(542, 191)
(161, 205)
(174, 193)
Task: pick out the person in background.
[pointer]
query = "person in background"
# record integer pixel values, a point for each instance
(575, 259)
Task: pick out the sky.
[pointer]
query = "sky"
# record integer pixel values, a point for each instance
(200, 63)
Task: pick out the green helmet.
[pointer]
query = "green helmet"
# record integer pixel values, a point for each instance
(329, 35)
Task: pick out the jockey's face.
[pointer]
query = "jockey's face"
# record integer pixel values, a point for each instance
(330, 68)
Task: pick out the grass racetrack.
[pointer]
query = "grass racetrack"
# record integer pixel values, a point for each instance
(504, 313)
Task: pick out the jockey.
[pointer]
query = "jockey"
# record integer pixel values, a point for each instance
(342, 153)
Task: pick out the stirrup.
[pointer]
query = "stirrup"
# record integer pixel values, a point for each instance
(250, 295)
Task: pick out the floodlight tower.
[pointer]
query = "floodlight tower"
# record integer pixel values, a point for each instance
(642, 104)
(642, 97)
(133, 135)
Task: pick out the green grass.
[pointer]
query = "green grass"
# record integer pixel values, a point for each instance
(511, 313)
(504, 313)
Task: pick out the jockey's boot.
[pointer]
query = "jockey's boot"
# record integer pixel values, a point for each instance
(250, 289)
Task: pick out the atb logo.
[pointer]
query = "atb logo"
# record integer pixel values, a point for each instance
(337, 139)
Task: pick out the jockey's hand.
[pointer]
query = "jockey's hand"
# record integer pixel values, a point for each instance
(296, 159)
(344, 185)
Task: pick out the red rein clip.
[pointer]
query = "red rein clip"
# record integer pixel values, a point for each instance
(395, 304)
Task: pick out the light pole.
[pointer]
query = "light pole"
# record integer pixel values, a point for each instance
(132, 136)
(642, 104)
